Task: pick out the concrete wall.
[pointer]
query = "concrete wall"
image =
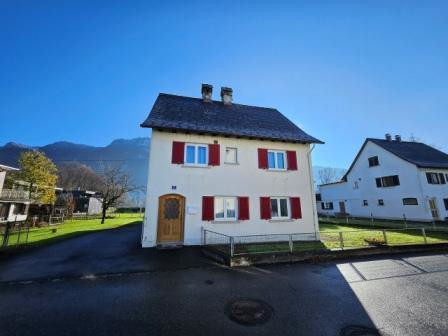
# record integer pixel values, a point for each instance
(243, 179)
(2, 179)
(413, 184)
(94, 206)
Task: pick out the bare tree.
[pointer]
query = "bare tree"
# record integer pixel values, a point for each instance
(74, 176)
(115, 184)
(328, 175)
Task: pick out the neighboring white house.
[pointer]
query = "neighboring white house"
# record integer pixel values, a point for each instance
(391, 179)
(14, 203)
(231, 168)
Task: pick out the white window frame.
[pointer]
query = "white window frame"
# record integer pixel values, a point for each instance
(196, 156)
(288, 207)
(275, 151)
(225, 218)
(236, 155)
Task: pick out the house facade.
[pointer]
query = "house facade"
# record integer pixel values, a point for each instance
(230, 168)
(391, 179)
(14, 203)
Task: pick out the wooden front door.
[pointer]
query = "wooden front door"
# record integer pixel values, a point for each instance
(170, 224)
(433, 207)
(342, 207)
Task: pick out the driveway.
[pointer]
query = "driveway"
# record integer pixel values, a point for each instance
(105, 252)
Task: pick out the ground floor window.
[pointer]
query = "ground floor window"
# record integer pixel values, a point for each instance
(225, 208)
(19, 209)
(380, 202)
(327, 205)
(446, 203)
(410, 201)
(4, 209)
(280, 207)
(365, 203)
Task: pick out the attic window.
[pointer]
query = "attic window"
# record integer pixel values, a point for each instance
(373, 161)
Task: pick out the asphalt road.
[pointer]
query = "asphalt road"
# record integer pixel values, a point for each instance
(181, 293)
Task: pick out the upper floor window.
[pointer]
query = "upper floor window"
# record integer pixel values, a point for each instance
(196, 154)
(435, 178)
(373, 161)
(380, 202)
(365, 203)
(225, 208)
(279, 207)
(231, 155)
(387, 181)
(356, 185)
(410, 201)
(276, 160)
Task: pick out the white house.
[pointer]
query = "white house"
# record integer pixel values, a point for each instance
(391, 179)
(231, 168)
(14, 203)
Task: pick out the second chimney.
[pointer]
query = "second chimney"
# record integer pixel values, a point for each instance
(388, 137)
(207, 91)
(226, 95)
(398, 138)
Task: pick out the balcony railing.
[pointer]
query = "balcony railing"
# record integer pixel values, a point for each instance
(13, 195)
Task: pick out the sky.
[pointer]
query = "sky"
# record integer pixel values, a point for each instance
(89, 72)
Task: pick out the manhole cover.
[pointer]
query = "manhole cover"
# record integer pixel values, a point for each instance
(359, 331)
(249, 311)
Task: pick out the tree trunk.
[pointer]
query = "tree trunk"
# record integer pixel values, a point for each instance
(103, 215)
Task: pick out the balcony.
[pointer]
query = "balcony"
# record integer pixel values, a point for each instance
(14, 195)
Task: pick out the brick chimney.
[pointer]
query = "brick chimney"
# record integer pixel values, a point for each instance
(226, 95)
(398, 138)
(207, 91)
(388, 137)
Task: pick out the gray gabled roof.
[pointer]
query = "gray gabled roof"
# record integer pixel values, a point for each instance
(417, 153)
(178, 113)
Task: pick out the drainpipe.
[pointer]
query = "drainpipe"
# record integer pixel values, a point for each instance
(313, 196)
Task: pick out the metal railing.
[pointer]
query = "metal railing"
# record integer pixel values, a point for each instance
(12, 194)
(13, 234)
(329, 240)
(386, 223)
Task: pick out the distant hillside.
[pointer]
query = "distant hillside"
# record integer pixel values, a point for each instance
(132, 153)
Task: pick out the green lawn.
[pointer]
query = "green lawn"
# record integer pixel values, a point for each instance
(72, 228)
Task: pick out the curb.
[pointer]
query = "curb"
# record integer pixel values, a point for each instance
(317, 256)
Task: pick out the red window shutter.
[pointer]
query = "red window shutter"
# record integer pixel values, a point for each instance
(208, 212)
(243, 208)
(292, 160)
(262, 158)
(296, 210)
(178, 152)
(265, 208)
(213, 154)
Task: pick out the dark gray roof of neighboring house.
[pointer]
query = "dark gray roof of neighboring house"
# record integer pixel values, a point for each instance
(417, 153)
(178, 113)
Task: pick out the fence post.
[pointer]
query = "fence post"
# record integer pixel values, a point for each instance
(6, 234)
(424, 235)
(341, 240)
(371, 218)
(232, 247)
(384, 236)
(405, 222)
(291, 244)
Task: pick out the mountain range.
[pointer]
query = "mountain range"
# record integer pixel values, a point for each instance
(131, 154)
